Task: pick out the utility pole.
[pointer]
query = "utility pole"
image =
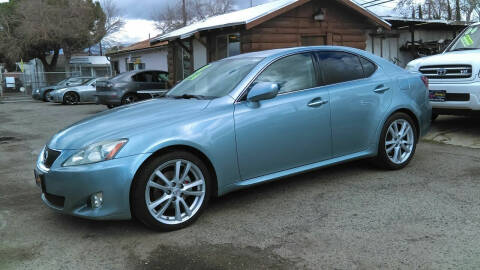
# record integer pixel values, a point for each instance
(184, 13)
(251, 3)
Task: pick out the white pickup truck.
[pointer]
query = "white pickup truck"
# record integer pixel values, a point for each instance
(454, 75)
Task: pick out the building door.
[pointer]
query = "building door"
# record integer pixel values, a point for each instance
(314, 40)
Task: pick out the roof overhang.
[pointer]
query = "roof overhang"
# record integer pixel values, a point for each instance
(250, 22)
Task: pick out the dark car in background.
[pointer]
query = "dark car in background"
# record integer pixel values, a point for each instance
(131, 86)
(42, 93)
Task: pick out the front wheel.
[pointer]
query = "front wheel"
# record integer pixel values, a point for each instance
(71, 98)
(397, 143)
(171, 191)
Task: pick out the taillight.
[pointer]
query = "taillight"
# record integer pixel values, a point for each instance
(425, 81)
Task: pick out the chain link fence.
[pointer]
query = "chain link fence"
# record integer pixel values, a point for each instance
(25, 83)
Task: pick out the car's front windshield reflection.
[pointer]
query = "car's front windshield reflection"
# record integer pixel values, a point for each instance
(214, 80)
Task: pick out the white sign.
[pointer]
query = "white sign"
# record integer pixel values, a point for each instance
(10, 82)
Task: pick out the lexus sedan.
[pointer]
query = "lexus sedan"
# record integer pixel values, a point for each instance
(43, 92)
(234, 123)
(74, 95)
(127, 87)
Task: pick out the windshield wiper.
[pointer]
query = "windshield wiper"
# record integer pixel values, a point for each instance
(464, 49)
(188, 96)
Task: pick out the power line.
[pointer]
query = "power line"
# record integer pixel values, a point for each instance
(366, 3)
(376, 4)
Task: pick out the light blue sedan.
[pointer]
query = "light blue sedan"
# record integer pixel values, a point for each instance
(234, 123)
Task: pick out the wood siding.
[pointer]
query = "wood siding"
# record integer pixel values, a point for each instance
(341, 26)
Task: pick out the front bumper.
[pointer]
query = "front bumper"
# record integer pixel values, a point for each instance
(55, 97)
(473, 89)
(37, 96)
(108, 98)
(68, 189)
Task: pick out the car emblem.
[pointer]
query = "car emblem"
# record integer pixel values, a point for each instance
(441, 72)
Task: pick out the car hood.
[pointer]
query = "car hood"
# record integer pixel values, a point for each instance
(449, 58)
(126, 122)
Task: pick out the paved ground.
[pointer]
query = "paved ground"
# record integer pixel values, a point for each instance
(346, 217)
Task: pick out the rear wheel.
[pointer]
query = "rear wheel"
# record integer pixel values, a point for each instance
(129, 98)
(171, 191)
(71, 98)
(397, 143)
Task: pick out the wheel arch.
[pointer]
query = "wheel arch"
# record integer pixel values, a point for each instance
(172, 148)
(412, 115)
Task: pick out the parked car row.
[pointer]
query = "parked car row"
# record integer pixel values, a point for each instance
(122, 89)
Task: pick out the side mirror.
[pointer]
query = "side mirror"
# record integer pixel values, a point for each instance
(262, 91)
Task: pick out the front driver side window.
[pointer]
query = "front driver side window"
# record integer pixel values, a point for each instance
(292, 73)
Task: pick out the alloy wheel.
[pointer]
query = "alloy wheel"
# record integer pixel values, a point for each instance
(399, 141)
(71, 98)
(175, 191)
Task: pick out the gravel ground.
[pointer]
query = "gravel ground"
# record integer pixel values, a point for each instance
(350, 216)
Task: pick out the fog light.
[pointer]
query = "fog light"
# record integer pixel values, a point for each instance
(96, 200)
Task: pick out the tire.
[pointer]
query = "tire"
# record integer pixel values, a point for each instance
(71, 98)
(45, 95)
(168, 198)
(396, 153)
(110, 106)
(129, 98)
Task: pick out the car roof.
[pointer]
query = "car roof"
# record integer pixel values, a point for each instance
(142, 70)
(280, 52)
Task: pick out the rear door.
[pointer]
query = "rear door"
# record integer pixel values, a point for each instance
(360, 94)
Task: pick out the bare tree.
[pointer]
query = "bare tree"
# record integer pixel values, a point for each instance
(441, 9)
(113, 23)
(183, 13)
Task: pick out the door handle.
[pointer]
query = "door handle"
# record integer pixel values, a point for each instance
(317, 102)
(380, 89)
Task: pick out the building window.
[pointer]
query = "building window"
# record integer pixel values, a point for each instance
(134, 63)
(228, 45)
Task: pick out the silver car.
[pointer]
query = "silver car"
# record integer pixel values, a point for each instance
(76, 94)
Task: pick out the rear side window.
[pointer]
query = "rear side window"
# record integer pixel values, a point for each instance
(292, 73)
(143, 77)
(368, 67)
(340, 67)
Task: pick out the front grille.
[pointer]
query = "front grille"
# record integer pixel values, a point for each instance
(457, 97)
(447, 71)
(55, 200)
(49, 156)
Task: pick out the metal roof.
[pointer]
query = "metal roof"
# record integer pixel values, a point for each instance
(249, 15)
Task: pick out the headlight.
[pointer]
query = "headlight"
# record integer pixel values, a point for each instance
(96, 152)
(37, 91)
(410, 68)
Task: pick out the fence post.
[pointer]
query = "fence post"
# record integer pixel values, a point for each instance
(1, 84)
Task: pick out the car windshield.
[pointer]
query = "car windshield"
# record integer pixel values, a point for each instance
(63, 82)
(469, 40)
(214, 80)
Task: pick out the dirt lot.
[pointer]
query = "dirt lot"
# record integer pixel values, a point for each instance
(351, 216)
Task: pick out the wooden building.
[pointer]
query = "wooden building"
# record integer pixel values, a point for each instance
(278, 24)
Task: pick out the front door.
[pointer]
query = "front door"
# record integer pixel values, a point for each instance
(360, 95)
(290, 130)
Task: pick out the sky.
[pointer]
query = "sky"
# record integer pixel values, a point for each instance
(138, 14)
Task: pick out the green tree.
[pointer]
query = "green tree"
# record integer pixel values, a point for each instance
(41, 28)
